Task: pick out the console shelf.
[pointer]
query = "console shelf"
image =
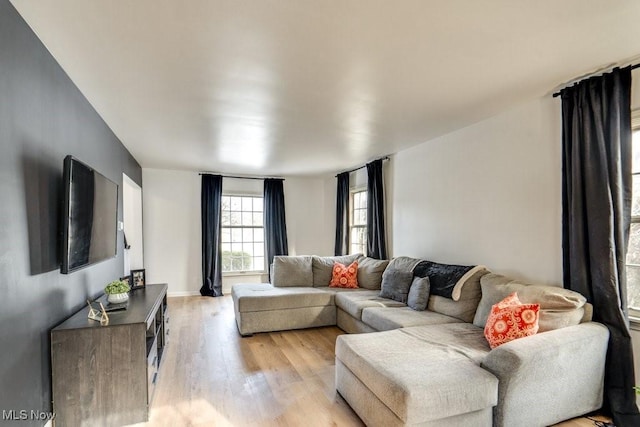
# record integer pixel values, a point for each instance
(106, 375)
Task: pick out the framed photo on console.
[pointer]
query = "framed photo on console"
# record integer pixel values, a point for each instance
(126, 279)
(137, 279)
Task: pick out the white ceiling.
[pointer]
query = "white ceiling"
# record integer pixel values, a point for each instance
(290, 87)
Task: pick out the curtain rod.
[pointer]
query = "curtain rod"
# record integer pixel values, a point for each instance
(239, 177)
(557, 94)
(364, 166)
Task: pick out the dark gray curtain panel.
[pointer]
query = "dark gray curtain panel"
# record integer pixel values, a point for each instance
(376, 235)
(342, 214)
(275, 223)
(596, 213)
(211, 204)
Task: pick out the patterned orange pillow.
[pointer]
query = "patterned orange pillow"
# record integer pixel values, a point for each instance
(344, 276)
(510, 319)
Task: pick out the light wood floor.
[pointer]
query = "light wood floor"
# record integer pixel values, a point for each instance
(210, 376)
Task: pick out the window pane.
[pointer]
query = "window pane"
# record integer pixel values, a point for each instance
(247, 249)
(258, 204)
(236, 235)
(257, 219)
(247, 263)
(226, 203)
(635, 148)
(225, 235)
(226, 248)
(235, 218)
(247, 203)
(236, 203)
(258, 263)
(226, 218)
(258, 249)
(258, 235)
(633, 287)
(363, 200)
(633, 251)
(247, 235)
(247, 218)
(635, 200)
(236, 248)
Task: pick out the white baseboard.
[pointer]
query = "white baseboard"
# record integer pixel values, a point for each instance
(183, 294)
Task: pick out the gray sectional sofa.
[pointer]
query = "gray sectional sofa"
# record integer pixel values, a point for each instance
(399, 366)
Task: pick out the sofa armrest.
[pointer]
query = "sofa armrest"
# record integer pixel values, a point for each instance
(549, 377)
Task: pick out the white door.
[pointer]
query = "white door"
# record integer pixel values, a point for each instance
(132, 218)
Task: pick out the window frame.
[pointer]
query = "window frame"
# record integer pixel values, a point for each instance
(634, 313)
(241, 227)
(352, 225)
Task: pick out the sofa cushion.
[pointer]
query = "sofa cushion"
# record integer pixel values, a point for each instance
(396, 284)
(344, 276)
(462, 338)
(265, 297)
(292, 271)
(559, 307)
(354, 302)
(509, 320)
(418, 382)
(447, 280)
(370, 272)
(418, 297)
(465, 307)
(388, 318)
(322, 267)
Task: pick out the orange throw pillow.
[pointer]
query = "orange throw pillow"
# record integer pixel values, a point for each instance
(510, 319)
(344, 276)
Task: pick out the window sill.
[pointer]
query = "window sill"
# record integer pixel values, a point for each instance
(634, 323)
(244, 273)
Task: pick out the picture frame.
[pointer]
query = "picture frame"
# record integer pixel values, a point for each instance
(127, 279)
(138, 279)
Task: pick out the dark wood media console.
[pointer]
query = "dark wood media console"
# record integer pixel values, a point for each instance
(106, 375)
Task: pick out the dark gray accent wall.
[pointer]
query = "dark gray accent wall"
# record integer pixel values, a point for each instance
(43, 118)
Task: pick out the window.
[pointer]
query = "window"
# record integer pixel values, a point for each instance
(242, 234)
(633, 253)
(358, 222)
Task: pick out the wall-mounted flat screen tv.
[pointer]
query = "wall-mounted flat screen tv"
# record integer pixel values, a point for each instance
(90, 216)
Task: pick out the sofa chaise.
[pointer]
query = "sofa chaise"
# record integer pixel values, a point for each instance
(434, 367)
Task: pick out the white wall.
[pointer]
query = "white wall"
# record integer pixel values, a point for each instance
(486, 194)
(172, 229)
(172, 225)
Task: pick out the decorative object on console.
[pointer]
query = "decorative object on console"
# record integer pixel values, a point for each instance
(395, 284)
(137, 279)
(96, 314)
(344, 276)
(117, 292)
(510, 320)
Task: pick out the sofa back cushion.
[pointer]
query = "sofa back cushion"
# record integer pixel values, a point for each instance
(465, 307)
(559, 307)
(370, 272)
(292, 271)
(322, 267)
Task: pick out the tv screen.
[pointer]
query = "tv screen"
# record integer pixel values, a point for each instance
(90, 216)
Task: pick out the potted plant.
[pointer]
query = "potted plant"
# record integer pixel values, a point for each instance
(117, 291)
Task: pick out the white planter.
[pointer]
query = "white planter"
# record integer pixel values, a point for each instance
(118, 298)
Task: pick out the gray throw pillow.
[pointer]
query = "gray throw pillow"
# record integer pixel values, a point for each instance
(419, 293)
(395, 284)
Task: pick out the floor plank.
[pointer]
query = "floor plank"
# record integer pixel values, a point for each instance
(211, 376)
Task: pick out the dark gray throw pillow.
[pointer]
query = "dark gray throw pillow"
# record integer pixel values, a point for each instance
(419, 293)
(395, 284)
